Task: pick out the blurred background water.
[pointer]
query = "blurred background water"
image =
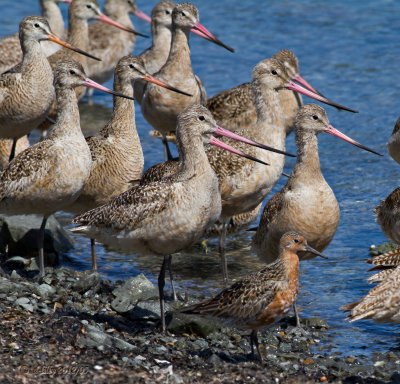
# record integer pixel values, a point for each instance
(349, 51)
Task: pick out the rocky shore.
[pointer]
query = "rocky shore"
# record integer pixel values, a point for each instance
(76, 327)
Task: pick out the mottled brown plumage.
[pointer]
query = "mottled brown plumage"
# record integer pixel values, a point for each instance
(10, 47)
(381, 304)
(116, 151)
(156, 56)
(163, 217)
(306, 204)
(262, 298)
(235, 107)
(27, 93)
(50, 175)
(159, 107)
(243, 183)
(109, 43)
(394, 142)
(5, 149)
(79, 13)
(388, 215)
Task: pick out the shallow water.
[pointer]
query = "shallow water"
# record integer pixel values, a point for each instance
(347, 50)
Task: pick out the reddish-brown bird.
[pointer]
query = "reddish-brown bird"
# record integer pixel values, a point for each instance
(262, 298)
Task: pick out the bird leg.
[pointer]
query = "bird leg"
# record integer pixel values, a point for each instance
(93, 253)
(296, 314)
(167, 151)
(161, 285)
(171, 278)
(222, 254)
(40, 247)
(13, 149)
(254, 342)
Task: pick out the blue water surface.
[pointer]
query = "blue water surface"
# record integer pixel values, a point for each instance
(349, 51)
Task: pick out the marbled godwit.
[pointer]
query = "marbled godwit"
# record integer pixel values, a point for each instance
(166, 216)
(306, 204)
(109, 43)
(262, 298)
(79, 13)
(236, 107)
(394, 142)
(27, 93)
(50, 175)
(10, 47)
(386, 263)
(381, 304)
(244, 185)
(388, 215)
(156, 56)
(158, 107)
(116, 150)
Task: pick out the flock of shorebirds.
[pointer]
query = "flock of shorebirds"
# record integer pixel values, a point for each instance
(174, 204)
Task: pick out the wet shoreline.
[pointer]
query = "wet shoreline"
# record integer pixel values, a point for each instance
(77, 326)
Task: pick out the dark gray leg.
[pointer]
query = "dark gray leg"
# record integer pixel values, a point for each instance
(167, 151)
(161, 285)
(222, 254)
(254, 342)
(93, 252)
(171, 278)
(13, 149)
(40, 247)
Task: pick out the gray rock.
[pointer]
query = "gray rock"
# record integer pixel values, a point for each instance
(24, 302)
(182, 323)
(314, 322)
(136, 289)
(45, 290)
(147, 310)
(19, 232)
(96, 338)
(86, 281)
(214, 360)
(7, 286)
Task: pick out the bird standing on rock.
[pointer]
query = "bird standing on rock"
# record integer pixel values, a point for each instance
(50, 175)
(165, 216)
(260, 299)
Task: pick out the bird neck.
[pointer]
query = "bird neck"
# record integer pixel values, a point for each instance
(162, 37)
(78, 33)
(33, 57)
(290, 262)
(123, 117)
(193, 158)
(307, 154)
(68, 120)
(52, 13)
(270, 126)
(179, 55)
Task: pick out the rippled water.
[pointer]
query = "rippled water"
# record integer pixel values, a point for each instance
(349, 51)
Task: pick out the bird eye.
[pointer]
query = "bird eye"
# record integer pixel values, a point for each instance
(296, 240)
(72, 72)
(88, 6)
(37, 25)
(274, 72)
(167, 12)
(183, 13)
(315, 117)
(202, 118)
(131, 66)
